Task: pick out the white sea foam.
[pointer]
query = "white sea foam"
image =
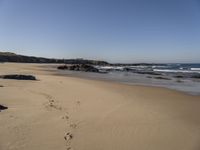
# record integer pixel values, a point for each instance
(159, 66)
(110, 67)
(137, 66)
(105, 67)
(195, 69)
(172, 70)
(152, 68)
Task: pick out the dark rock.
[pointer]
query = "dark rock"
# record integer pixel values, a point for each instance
(80, 67)
(196, 76)
(3, 107)
(148, 72)
(127, 69)
(18, 77)
(179, 76)
(62, 67)
(88, 68)
(162, 78)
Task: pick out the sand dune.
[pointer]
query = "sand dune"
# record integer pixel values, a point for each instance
(66, 113)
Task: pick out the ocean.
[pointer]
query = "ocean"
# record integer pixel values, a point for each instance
(180, 77)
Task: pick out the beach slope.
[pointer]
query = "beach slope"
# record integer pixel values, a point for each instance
(65, 113)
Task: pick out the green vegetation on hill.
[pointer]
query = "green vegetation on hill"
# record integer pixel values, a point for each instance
(12, 57)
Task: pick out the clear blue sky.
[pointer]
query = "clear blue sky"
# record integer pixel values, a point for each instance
(112, 30)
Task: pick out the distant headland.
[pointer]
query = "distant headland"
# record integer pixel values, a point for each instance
(12, 57)
(17, 58)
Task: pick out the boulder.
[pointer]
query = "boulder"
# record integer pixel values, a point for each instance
(18, 77)
(3, 107)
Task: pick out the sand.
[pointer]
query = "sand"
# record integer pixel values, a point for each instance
(66, 113)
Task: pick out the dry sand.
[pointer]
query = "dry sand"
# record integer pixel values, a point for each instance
(66, 113)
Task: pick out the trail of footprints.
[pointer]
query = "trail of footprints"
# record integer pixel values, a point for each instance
(52, 103)
(68, 136)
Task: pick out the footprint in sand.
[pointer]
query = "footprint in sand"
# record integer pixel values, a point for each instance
(68, 136)
(53, 105)
(66, 117)
(49, 97)
(78, 103)
(73, 125)
(51, 102)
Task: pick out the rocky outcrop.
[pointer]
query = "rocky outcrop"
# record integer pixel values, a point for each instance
(3, 107)
(197, 76)
(80, 67)
(18, 77)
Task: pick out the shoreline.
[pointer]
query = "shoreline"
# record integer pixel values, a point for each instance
(125, 83)
(129, 85)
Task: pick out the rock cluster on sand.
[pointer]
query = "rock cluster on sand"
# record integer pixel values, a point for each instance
(80, 67)
(3, 107)
(18, 77)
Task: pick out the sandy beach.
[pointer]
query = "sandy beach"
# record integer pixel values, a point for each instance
(67, 113)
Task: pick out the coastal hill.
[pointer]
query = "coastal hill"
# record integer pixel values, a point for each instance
(12, 57)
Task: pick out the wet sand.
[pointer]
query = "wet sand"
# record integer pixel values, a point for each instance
(66, 113)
